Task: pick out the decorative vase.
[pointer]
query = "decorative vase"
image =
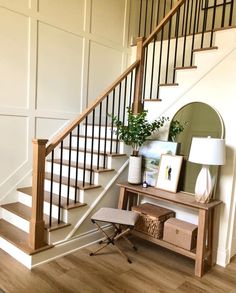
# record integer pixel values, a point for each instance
(135, 169)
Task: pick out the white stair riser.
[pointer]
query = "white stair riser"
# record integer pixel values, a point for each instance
(116, 162)
(103, 178)
(96, 144)
(80, 193)
(16, 253)
(15, 220)
(27, 200)
(64, 189)
(65, 169)
(58, 235)
(96, 130)
(88, 155)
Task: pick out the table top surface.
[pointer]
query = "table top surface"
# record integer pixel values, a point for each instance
(181, 198)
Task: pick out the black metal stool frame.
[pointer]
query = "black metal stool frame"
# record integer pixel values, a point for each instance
(117, 234)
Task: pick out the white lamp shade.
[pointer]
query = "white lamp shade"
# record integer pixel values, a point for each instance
(207, 151)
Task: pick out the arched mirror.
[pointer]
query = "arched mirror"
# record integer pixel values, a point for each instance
(199, 120)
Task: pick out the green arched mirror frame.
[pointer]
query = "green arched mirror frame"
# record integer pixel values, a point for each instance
(202, 121)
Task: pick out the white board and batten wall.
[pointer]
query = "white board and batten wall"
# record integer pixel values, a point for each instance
(56, 57)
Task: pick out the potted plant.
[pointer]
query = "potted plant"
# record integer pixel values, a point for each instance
(176, 127)
(134, 134)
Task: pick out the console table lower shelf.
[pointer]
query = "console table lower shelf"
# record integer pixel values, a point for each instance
(128, 197)
(160, 242)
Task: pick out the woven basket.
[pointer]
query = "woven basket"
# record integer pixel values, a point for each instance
(151, 219)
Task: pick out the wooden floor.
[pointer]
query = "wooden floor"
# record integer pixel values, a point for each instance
(154, 269)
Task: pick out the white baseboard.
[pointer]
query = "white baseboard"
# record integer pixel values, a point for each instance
(223, 257)
(69, 246)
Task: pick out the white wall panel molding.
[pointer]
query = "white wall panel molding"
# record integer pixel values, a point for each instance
(51, 54)
(20, 6)
(14, 52)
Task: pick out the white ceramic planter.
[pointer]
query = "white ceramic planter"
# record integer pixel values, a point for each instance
(135, 170)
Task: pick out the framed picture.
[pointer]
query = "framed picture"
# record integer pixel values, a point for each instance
(151, 152)
(168, 176)
(211, 3)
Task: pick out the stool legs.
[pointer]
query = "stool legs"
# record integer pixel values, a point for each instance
(112, 239)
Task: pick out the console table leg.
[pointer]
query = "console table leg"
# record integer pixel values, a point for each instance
(123, 199)
(201, 243)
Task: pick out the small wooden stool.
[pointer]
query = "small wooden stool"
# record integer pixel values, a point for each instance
(118, 218)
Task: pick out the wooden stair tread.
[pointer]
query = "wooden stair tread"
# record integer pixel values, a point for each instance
(205, 49)
(224, 28)
(55, 199)
(24, 212)
(95, 137)
(81, 166)
(95, 152)
(185, 67)
(152, 100)
(168, 84)
(56, 178)
(18, 237)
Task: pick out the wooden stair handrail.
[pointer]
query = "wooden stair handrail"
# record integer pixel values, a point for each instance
(100, 98)
(163, 22)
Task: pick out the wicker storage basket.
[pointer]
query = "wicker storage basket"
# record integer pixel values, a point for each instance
(180, 233)
(152, 218)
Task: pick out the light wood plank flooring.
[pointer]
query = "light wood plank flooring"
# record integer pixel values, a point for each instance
(154, 269)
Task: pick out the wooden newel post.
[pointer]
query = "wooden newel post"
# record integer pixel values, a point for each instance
(137, 104)
(36, 236)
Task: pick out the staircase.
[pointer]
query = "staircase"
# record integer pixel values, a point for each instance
(77, 171)
(76, 199)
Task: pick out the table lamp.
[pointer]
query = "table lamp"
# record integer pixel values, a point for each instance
(206, 151)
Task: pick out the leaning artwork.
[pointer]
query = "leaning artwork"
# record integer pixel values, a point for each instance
(151, 152)
(168, 176)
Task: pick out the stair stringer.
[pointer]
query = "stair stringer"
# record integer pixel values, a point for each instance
(205, 61)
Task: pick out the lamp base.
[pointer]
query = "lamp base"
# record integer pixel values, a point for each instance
(204, 185)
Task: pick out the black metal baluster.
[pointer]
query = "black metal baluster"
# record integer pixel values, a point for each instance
(191, 18)
(153, 65)
(145, 72)
(231, 12)
(60, 184)
(124, 104)
(69, 167)
(213, 23)
(145, 19)
(204, 23)
(158, 12)
(198, 16)
(184, 12)
(51, 190)
(91, 151)
(152, 11)
(131, 86)
(223, 14)
(193, 38)
(99, 135)
(77, 164)
(118, 115)
(160, 61)
(165, 4)
(176, 41)
(112, 123)
(168, 50)
(105, 138)
(140, 18)
(85, 149)
(185, 33)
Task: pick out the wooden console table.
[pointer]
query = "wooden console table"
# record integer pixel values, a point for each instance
(129, 195)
